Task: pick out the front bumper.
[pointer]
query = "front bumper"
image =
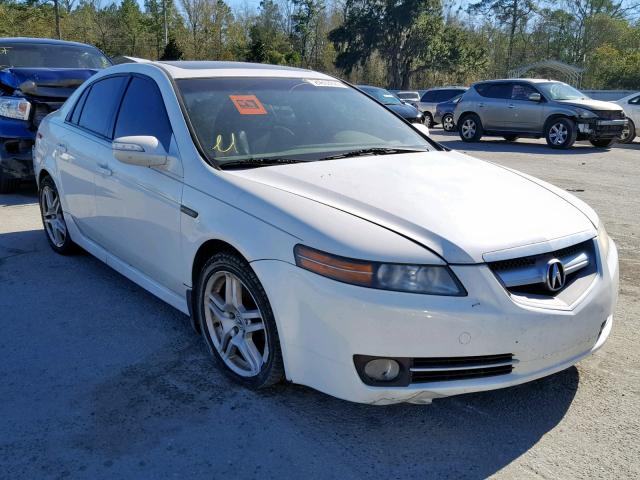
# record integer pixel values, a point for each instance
(16, 159)
(322, 324)
(601, 129)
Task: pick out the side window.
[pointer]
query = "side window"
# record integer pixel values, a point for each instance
(100, 105)
(77, 110)
(635, 100)
(521, 91)
(499, 90)
(143, 112)
(428, 97)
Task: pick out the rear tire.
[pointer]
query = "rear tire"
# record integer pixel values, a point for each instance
(629, 133)
(604, 143)
(55, 226)
(237, 322)
(428, 119)
(560, 132)
(470, 128)
(448, 125)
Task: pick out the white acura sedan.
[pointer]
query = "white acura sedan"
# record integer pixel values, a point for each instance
(315, 236)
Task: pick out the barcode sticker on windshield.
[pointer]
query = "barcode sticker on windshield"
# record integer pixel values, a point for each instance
(325, 83)
(248, 105)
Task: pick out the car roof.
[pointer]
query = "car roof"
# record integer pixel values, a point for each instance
(456, 87)
(204, 69)
(50, 41)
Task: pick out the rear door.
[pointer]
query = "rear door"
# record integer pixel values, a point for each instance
(493, 106)
(523, 114)
(84, 147)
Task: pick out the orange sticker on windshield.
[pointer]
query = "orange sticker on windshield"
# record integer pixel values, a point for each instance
(248, 105)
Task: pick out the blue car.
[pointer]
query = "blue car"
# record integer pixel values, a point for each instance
(36, 76)
(444, 113)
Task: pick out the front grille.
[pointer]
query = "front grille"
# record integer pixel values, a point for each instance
(528, 274)
(439, 369)
(610, 114)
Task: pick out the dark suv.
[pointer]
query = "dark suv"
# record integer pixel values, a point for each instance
(537, 108)
(36, 77)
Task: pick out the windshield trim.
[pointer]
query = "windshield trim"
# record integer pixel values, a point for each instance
(217, 165)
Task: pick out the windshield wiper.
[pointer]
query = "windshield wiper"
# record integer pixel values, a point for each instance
(258, 162)
(372, 151)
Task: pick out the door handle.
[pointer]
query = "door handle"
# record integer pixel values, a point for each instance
(511, 105)
(62, 148)
(104, 170)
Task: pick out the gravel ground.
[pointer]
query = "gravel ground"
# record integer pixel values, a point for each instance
(99, 379)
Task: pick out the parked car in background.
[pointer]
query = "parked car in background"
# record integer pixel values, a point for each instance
(409, 96)
(631, 106)
(444, 113)
(36, 76)
(406, 111)
(314, 236)
(432, 97)
(537, 108)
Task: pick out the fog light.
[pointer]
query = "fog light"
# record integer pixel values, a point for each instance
(382, 369)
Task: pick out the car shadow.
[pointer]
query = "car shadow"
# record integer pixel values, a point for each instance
(26, 194)
(124, 376)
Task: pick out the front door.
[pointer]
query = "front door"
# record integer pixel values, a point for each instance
(524, 115)
(138, 208)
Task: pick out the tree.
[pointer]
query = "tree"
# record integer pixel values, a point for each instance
(171, 51)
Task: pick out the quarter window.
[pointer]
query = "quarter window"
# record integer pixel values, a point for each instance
(78, 108)
(635, 101)
(143, 112)
(99, 107)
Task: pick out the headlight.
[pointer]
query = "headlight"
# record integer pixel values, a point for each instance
(583, 113)
(425, 279)
(603, 240)
(17, 108)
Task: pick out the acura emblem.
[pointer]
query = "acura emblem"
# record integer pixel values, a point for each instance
(555, 275)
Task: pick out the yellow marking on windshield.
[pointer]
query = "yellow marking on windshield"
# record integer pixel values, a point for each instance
(218, 147)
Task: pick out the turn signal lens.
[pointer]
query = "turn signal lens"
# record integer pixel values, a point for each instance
(338, 268)
(426, 279)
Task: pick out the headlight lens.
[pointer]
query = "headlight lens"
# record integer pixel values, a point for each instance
(17, 108)
(603, 240)
(425, 279)
(583, 113)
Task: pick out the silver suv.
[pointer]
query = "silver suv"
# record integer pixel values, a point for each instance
(432, 97)
(537, 108)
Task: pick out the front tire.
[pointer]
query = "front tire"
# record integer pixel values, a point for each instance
(629, 133)
(560, 132)
(447, 123)
(470, 128)
(237, 322)
(55, 226)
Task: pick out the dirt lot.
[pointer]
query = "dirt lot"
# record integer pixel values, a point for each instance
(99, 379)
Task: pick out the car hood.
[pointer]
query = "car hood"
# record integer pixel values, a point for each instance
(405, 111)
(457, 206)
(45, 82)
(591, 104)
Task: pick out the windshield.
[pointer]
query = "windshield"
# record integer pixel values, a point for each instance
(48, 55)
(560, 91)
(383, 96)
(242, 119)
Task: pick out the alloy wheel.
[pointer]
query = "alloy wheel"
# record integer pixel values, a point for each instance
(558, 133)
(626, 131)
(52, 216)
(235, 324)
(468, 128)
(447, 123)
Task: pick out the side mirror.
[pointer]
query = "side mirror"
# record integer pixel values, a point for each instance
(141, 150)
(535, 97)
